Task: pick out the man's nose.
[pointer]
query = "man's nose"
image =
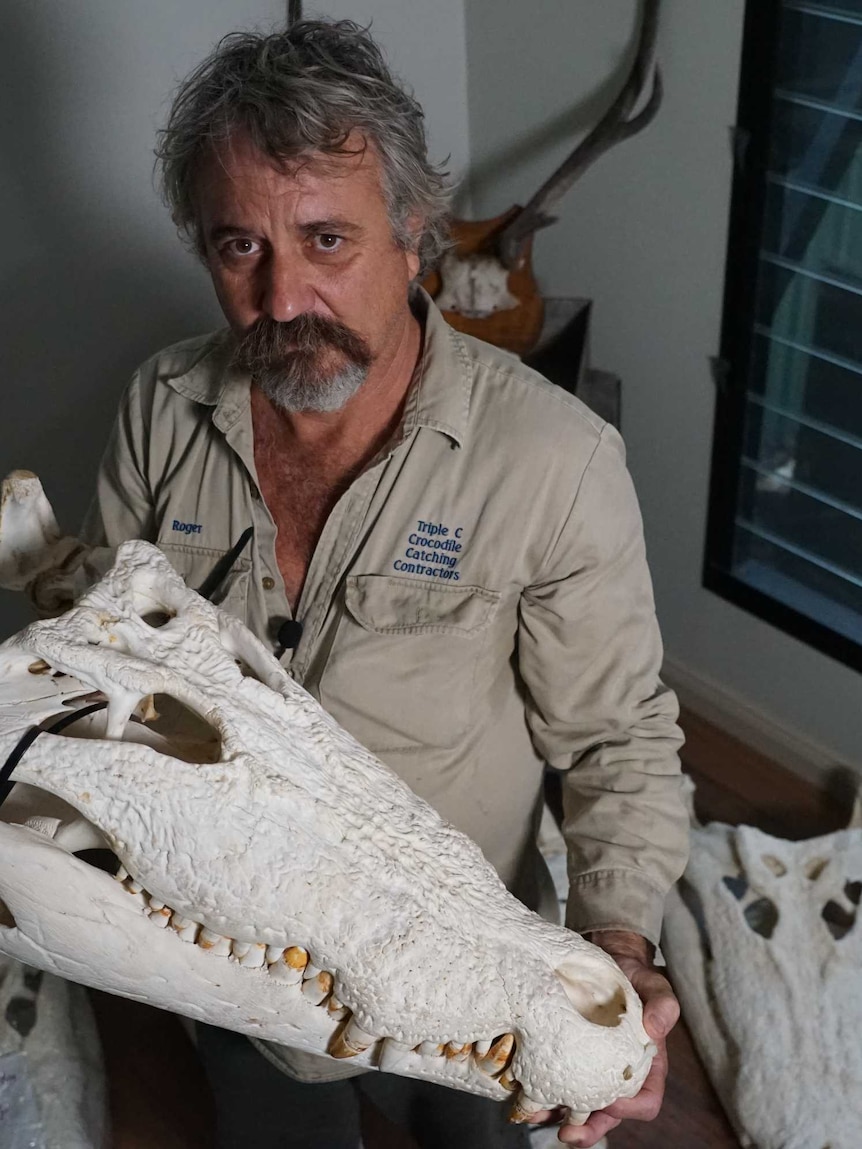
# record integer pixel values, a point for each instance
(287, 288)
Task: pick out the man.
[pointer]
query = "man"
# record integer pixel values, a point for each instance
(448, 546)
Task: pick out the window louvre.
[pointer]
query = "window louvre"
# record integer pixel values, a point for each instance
(785, 529)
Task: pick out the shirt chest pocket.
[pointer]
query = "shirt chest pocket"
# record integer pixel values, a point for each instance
(403, 665)
(195, 564)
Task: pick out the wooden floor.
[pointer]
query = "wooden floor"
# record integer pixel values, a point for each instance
(159, 1099)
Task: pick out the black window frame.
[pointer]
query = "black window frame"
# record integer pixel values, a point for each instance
(751, 139)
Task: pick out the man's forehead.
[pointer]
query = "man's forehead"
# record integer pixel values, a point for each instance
(240, 161)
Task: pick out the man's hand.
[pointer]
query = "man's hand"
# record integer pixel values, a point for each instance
(634, 955)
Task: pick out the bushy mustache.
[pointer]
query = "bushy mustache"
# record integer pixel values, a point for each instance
(269, 344)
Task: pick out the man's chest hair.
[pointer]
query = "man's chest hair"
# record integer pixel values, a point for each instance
(300, 488)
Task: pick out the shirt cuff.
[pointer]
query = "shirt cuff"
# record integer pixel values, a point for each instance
(615, 900)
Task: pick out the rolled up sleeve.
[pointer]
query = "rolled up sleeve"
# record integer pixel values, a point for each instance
(590, 654)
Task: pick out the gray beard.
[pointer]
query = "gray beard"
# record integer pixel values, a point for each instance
(294, 391)
(291, 362)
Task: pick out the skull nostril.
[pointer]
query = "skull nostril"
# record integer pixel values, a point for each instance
(600, 1001)
(158, 618)
(762, 917)
(838, 920)
(738, 886)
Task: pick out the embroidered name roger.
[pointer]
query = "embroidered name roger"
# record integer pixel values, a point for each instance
(187, 528)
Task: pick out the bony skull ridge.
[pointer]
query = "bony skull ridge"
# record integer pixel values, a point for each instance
(329, 907)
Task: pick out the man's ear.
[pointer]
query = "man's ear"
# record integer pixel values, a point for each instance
(415, 228)
(413, 263)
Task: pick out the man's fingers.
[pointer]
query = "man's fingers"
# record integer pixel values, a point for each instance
(661, 1013)
(545, 1117)
(647, 1103)
(589, 1134)
(661, 1008)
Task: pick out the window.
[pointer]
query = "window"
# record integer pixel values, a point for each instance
(785, 526)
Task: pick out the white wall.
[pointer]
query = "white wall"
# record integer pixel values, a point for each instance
(426, 47)
(644, 234)
(92, 275)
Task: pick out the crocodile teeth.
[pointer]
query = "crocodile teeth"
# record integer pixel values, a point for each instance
(216, 943)
(161, 917)
(186, 928)
(291, 965)
(296, 958)
(507, 1080)
(318, 988)
(352, 1040)
(523, 1108)
(255, 957)
(497, 1057)
(457, 1052)
(336, 1010)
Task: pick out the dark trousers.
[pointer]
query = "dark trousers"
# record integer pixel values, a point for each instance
(258, 1105)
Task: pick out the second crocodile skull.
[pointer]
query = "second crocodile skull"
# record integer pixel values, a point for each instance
(358, 922)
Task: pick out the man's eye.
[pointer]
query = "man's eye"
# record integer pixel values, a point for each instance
(241, 247)
(327, 242)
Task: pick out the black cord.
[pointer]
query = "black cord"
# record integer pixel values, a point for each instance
(223, 567)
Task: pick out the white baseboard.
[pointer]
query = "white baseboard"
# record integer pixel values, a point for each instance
(755, 727)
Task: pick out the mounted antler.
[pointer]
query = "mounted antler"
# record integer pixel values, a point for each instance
(485, 285)
(616, 125)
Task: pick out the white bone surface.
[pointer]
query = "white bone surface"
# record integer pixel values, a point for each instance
(280, 831)
(29, 536)
(474, 285)
(777, 1020)
(55, 569)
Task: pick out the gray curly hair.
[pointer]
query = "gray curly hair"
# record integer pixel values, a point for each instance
(299, 91)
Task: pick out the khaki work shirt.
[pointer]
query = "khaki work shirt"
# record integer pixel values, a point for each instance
(477, 605)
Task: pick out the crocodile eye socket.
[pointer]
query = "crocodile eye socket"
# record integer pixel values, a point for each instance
(601, 1001)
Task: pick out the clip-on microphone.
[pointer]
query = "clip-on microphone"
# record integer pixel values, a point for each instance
(288, 636)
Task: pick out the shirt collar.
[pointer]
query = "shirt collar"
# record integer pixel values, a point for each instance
(439, 395)
(211, 380)
(442, 383)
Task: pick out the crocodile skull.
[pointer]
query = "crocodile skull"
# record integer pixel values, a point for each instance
(310, 897)
(765, 948)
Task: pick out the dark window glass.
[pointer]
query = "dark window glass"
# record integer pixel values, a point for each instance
(785, 533)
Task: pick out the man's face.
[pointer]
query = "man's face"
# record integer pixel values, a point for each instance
(306, 270)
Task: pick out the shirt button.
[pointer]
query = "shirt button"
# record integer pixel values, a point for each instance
(268, 583)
